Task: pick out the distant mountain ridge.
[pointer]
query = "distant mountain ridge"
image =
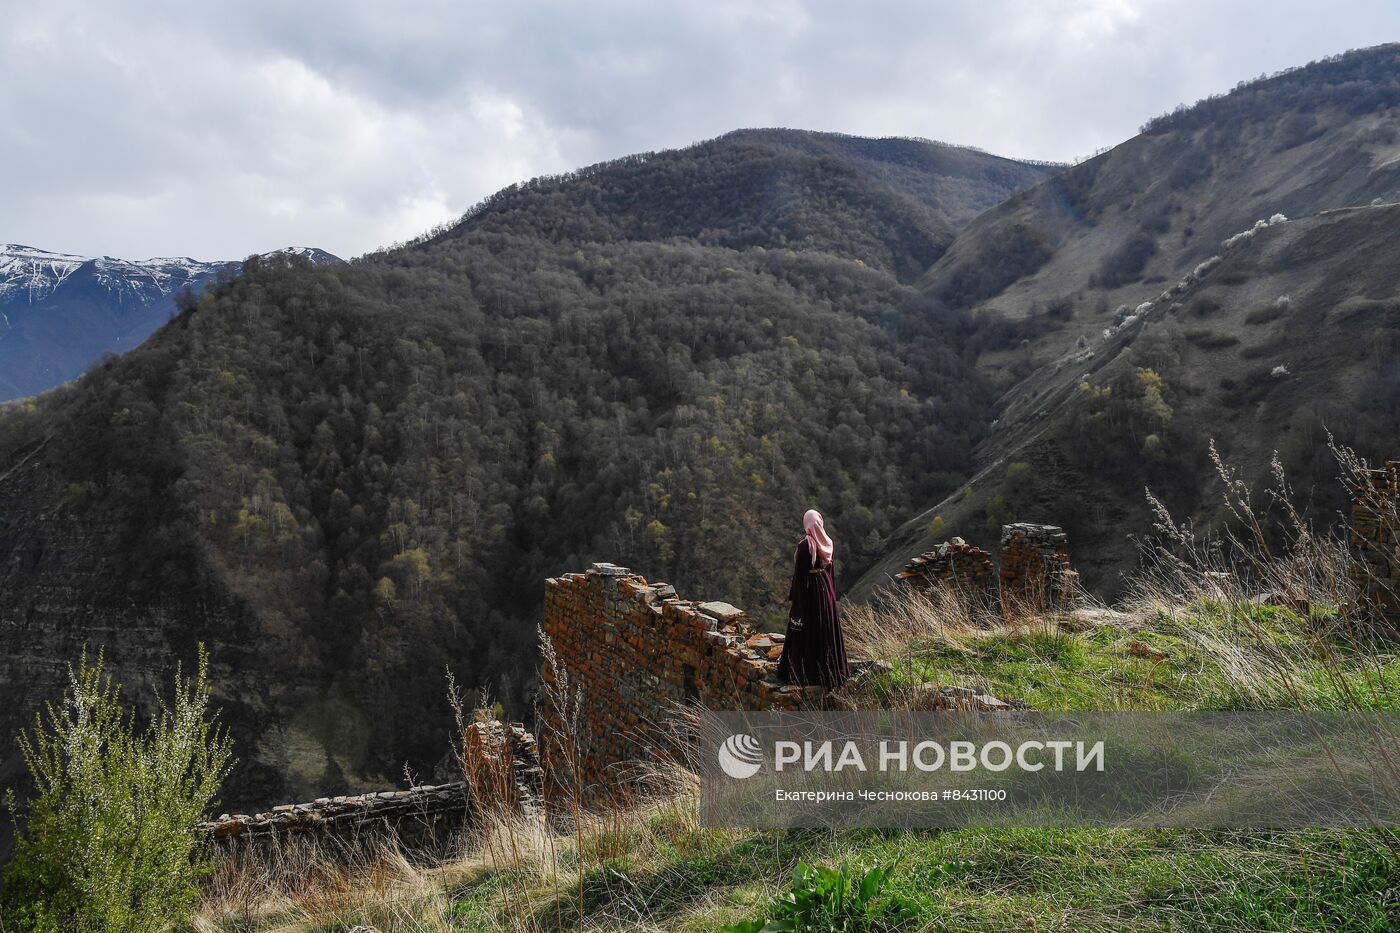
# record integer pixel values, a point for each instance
(60, 312)
(893, 203)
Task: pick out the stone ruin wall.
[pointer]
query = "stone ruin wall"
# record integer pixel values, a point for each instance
(1035, 573)
(501, 759)
(954, 564)
(1375, 539)
(631, 651)
(637, 651)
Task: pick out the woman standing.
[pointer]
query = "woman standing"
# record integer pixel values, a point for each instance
(814, 651)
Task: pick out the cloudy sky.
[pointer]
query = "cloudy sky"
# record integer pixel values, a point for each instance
(159, 128)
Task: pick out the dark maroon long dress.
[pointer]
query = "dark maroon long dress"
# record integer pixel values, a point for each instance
(814, 651)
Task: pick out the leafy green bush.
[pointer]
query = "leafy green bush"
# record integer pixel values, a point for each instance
(107, 841)
(826, 900)
(998, 512)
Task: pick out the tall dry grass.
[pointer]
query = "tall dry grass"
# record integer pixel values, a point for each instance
(903, 624)
(536, 858)
(1270, 554)
(305, 884)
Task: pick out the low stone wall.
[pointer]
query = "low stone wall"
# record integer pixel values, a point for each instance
(632, 653)
(1375, 538)
(419, 816)
(954, 564)
(424, 816)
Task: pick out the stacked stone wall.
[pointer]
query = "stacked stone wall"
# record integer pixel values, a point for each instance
(1375, 537)
(632, 653)
(1035, 574)
(954, 564)
(425, 816)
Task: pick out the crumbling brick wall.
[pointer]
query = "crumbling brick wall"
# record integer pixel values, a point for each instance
(1375, 537)
(1035, 571)
(501, 763)
(633, 652)
(954, 564)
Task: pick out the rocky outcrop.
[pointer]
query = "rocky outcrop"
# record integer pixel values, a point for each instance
(933, 696)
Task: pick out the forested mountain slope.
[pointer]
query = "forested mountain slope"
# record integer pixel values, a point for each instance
(1125, 332)
(894, 204)
(347, 479)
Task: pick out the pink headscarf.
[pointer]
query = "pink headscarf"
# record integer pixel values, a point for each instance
(818, 542)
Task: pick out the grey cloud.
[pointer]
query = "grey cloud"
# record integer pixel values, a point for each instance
(162, 127)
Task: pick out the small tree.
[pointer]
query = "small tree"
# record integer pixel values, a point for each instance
(107, 842)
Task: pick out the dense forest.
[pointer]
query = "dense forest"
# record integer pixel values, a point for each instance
(661, 362)
(890, 203)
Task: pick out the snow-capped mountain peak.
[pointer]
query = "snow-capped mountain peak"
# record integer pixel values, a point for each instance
(59, 311)
(33, 275)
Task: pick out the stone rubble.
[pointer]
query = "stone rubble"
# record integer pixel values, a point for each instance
(933, 696)
(954, 563)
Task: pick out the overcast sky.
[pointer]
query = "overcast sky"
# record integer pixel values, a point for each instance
(159, 128)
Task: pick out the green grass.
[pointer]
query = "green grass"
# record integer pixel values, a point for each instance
(986, 880)
(1052, 669)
